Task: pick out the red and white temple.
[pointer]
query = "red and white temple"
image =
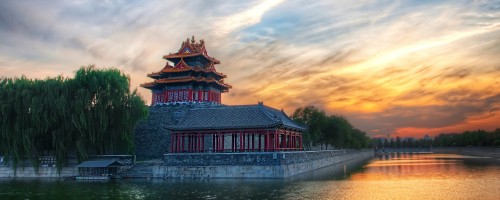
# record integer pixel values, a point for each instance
(193, 79)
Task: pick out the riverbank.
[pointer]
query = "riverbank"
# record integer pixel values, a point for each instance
(253, 165)
(491, 152)
(274, 165)
(43, 172)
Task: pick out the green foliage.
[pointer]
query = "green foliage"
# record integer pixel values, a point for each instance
(468, 138)
(464, 139)
(93, 113)
(331, 130)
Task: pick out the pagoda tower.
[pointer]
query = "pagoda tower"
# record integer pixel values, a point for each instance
(191, 78)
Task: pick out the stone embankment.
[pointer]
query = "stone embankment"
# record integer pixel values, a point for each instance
(212, 165)
(43, 172)
(48, 167)
(252, 165)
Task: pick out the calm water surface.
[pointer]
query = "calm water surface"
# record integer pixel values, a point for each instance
(403, 176)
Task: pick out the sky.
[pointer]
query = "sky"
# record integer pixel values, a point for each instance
(404, 68)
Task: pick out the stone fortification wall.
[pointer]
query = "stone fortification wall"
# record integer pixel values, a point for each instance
(151, 138)
(252, 165)
(249, 158)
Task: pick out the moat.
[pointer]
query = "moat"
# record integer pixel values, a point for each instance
(392, 176)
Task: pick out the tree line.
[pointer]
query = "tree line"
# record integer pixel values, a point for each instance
(328, 130)
(464, 139)
(402, 142)
(468, 138)
(93, 113)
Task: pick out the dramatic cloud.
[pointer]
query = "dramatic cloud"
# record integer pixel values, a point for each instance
(404, 67)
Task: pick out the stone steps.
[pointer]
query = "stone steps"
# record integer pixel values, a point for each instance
(140, 170)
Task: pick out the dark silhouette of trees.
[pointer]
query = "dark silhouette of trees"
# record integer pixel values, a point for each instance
(93, 113)
(327, 130)
(468, 138)
(464, 139)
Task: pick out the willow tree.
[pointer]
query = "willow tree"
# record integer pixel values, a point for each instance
(93, 113)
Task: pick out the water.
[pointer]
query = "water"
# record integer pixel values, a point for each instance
(403, 176)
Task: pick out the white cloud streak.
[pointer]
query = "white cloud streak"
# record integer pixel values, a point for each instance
(364, 59)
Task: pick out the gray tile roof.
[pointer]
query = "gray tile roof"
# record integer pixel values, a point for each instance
(234, 117)
(99, 163)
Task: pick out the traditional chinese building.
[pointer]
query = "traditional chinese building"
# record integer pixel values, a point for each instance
(192, 79)
(235, 129)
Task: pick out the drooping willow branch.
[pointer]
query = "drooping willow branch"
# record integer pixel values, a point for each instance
(93, 113)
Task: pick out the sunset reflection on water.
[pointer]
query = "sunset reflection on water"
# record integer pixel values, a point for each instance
(392, 176)
(422, 176)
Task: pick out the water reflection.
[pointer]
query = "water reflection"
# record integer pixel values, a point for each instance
(392, 176)
(423, 176)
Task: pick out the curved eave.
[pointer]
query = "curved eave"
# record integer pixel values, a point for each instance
(267, 126)
(154, 75)
(190, 79)
(150, 85)
(179, 80)
(222, 85)
(182, 55)
(175, 70)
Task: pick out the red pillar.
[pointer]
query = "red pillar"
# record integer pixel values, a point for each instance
(190, 142)
(290, 143)
(253, 141)
(235, 141)
(190, 95)
(248, 141)
(198, 142)
(260, 141)
(182, 140)
(241, 140)
(222, 142)
(214, 147)
(276, 135)
(294, 141)
(232, 142)
(193, 139)
(266, 140)
(179, 139)
(203, 142)
(300, 142)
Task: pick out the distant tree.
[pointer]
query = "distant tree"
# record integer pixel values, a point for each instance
(313, 118)
(331, 130)
(467, 138)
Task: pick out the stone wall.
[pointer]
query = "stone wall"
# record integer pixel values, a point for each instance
(49, 169)
(252, 165)
(249, 158)
(151, 138)
(43, 172)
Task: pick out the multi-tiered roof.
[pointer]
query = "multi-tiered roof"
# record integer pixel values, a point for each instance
(193, 70)
(189, 49)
